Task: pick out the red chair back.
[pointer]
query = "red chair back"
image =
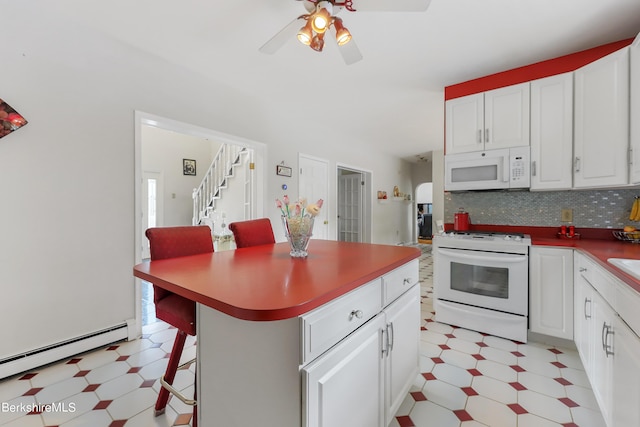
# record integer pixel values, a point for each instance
(252, 232)
(173, 242)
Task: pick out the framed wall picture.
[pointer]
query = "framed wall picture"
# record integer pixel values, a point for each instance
(283, 170)
(188, 167)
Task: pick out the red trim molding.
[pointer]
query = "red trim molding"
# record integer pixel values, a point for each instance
(535, 71)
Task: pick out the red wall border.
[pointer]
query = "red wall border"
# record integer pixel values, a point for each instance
(535, 71)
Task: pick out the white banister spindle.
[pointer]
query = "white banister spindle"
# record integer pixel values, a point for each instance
(212, 182)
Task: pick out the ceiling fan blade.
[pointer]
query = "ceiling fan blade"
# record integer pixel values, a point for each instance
(391, 5)
(284, 35)
(350, 52)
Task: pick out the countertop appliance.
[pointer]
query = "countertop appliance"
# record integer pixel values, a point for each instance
(507, 168)
(481, 282)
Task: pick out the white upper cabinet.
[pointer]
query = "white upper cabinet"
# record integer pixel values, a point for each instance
(495, 119)
(634, 109)
(552, 133)
(601, 122)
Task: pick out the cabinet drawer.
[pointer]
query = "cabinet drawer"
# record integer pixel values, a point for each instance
(627, 303)
(325, 326)
(398, 281)
(597, 277)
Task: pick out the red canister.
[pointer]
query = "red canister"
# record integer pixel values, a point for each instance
(461, 220)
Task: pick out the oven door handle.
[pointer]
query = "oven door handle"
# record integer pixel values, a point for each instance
(474, 256)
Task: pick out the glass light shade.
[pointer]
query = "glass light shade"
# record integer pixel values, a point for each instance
(305, 34)
(321, 19)
(317, 43)
(343, 36)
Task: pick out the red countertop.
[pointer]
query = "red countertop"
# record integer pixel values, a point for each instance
(265, 283)
(598, 244)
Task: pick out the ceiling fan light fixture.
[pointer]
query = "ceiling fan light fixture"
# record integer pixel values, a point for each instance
(321, 19)
(305, 34)
(317, 43)
(343, 36)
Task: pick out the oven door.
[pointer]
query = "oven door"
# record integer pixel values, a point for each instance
(490, 280)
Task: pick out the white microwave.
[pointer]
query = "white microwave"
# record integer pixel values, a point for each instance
(505, 168)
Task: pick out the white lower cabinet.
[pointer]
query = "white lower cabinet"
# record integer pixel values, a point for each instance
(551, 291)
(345, 386)
(626, 376)
(608, 347)
(362, 381)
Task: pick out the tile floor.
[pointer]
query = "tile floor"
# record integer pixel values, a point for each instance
(467, 380)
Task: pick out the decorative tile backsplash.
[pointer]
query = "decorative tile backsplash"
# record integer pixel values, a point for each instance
(591, 208)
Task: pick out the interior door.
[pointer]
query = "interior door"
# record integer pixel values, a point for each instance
(314, 185)
(350, 207)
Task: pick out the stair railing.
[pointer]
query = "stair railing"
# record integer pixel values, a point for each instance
(214, 181)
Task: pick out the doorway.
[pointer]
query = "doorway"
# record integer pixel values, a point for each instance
(147, 181)
(354, 205)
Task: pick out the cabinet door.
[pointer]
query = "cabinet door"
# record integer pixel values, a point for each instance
(602, 122)
(465, 124)
(506, 117)
(551, 291)
(403, 352)
(344, 387)
(634, 109)
(626, 376)
(603, 348)
(552, 133)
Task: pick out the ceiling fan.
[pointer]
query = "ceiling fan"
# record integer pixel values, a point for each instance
(321, 17)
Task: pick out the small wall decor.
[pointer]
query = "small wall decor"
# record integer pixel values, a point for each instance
(188, 167)
(10, 120)
(283, 170)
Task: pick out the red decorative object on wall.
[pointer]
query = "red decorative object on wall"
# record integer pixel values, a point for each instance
(10, 119)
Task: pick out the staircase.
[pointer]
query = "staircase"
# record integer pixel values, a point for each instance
(216, 180)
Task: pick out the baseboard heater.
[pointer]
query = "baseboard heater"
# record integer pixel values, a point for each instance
(52, 353)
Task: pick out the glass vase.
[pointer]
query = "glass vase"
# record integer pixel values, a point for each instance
(298, 231)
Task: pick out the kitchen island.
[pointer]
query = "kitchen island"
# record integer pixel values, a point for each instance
(329, 340)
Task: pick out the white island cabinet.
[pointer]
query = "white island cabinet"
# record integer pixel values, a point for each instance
(349, 362)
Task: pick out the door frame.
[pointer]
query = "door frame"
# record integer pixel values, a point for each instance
(141, 119)
(367, 199)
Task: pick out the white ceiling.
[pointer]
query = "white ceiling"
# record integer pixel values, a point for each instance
(395, 94)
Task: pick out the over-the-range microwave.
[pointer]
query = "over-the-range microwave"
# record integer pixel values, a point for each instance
(505, 168)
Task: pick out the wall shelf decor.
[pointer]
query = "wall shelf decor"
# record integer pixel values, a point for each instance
(10, 119)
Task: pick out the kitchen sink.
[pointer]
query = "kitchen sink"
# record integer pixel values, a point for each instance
(629, 266)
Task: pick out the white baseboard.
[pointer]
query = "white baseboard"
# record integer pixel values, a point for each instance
(43, 356)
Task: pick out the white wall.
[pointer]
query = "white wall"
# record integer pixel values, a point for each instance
(67, 178)
(163, 151)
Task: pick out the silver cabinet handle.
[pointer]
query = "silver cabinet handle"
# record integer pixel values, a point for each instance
(586, 300)
(356, 314)
(406, 281)
(479, 136)
(486, 135)
(606, 331)
(583, 269)
(533, 168)
(576, 164)
(390, 336)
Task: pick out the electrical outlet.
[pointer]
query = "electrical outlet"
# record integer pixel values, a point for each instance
(566, 215)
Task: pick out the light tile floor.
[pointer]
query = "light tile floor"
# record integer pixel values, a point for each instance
(467, 380)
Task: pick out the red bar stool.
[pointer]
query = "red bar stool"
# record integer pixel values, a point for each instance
(180, 312)
(252, 232)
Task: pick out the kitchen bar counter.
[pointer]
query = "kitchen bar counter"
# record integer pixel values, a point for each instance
(265, 283)
(280, 339)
